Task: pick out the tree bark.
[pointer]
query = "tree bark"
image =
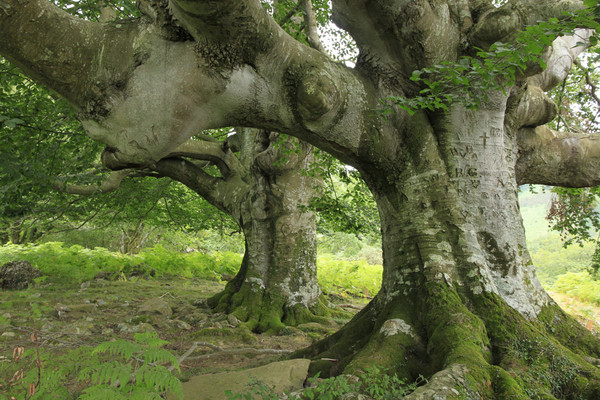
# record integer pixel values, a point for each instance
(265, 190)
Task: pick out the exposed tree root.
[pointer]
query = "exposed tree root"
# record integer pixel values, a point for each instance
(264, 310)
(467, 347)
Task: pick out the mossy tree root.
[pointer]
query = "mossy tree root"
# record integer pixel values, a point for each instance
(266, 311)
(467, 347)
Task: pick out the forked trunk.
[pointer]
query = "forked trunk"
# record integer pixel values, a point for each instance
(460, 303)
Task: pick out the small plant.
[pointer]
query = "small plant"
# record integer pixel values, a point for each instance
(112, 370)
(374, 382)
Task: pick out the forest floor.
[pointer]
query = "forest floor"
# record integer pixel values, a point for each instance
(67, 316)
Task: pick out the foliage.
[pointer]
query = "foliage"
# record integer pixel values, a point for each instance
(468, 80)
(343, 201)
(356, 278)
(552, 259)
(574, 214)
(76, 264)
(135, 370)
(374, 382)
(578, 285)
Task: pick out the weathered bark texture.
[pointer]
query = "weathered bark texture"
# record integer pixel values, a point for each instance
(460, 302)
(268, 193)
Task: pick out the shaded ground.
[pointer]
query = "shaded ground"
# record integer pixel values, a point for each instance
(97, 311)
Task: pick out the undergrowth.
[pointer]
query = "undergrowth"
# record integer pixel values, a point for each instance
(75, 264)
(374, 382)
(112, 370)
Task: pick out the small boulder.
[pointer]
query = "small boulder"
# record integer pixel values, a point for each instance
(281, 376)
(156, 306)
(142, 270)
(18, 275)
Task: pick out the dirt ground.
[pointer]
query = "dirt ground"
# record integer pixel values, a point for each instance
(68, 316)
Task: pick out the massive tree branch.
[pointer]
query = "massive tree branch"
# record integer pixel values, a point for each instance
(81, 60)
(221, 193)
(310, 26)
(112, 183)
(215, 152)
(554, 158)
(532, 107)
(502, 24)
(235, 30)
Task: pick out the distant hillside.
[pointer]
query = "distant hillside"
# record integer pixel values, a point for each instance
(549, 256)
(534, 207)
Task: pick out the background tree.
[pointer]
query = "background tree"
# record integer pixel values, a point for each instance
(460, 302)
(277, 280)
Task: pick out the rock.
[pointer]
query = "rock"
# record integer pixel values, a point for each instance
(101, 302)
(156, 306)
(83, 328)
(227, 277)
(232, 319)
(107, 331)
(143, 327)
(9, 334)
(282, 376)
(139, 328)
(142, 270)
(200, 303)
(85, 285)
(313, 327)
(183, 325)
(18, 275)
(355, 396)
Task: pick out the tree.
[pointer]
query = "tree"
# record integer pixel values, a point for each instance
(267, 193)
(460, 302)
(263, 188)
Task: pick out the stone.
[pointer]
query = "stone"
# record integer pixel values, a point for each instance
(156, 306)
(232, 319)
(183, 325)
(281, 376)
(139, 328)
(313, 327)
(18, 275)
(9, 334)
(142, 270)
(101, 302)
(82, 328)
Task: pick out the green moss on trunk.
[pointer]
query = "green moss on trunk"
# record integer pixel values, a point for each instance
(474, 346)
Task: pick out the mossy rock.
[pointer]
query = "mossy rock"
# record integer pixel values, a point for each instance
(18, 275)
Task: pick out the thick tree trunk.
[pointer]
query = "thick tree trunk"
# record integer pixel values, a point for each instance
(460, 303)
(277, 283)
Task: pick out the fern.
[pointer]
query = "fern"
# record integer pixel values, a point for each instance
(133, 372)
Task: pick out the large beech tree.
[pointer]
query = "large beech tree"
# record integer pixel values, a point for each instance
(460, 302)
(262, 183)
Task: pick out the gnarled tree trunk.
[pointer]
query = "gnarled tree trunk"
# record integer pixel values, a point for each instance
(266, 190)
(277, 283)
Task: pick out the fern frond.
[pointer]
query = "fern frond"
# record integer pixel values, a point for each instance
(109, 372)
(119, 347)
(160, 356)
(144, 394)
(102, 392)
(149, 339)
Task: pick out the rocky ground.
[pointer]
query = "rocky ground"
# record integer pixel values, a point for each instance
(67, 316)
